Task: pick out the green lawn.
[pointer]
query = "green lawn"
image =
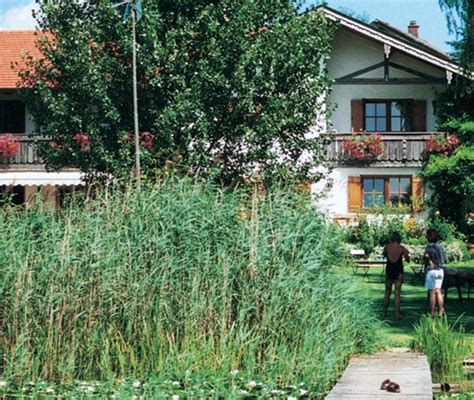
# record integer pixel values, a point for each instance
(413, 304)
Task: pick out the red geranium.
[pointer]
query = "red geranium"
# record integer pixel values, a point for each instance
(443, 145)
(8, 145)
(363, 146)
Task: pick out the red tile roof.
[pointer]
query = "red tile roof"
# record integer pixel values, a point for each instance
(12, 45)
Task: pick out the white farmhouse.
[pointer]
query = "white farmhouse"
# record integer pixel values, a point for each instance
(386, 82)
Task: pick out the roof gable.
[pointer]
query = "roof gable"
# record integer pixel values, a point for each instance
(387, 35)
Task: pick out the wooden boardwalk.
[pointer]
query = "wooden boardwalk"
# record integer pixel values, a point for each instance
(365, 373)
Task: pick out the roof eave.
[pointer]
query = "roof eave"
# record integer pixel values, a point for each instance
(376, 35)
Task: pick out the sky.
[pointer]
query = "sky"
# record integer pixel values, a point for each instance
(16, 14)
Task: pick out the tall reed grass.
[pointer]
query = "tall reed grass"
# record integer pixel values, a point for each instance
(180, 276)
(444, 345)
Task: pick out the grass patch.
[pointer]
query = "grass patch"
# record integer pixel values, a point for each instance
(414, 305)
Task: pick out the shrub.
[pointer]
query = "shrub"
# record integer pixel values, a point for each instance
(374, 229)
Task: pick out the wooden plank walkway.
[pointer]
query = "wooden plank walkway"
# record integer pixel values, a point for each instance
(365, 373)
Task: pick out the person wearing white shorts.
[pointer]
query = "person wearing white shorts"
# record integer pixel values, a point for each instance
(434, 273)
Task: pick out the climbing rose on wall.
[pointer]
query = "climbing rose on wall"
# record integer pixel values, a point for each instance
(82, 139)
(8, 145)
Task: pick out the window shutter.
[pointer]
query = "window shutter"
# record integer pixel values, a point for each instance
(357, 115)
(355, 193)
(418, 193)
(419, 116)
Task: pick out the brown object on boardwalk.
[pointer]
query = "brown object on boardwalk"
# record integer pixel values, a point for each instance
(363, 375)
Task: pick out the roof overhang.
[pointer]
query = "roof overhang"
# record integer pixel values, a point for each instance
(371, 33)
(41, 178)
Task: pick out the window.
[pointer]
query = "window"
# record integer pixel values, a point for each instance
(13, 195)
(387, 115)
(386, 190)
(12, 116)
(373, 192)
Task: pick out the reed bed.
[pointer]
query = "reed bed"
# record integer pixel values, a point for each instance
(445, 346)
(179, 278)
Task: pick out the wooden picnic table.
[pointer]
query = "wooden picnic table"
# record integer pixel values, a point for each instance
(368, 264)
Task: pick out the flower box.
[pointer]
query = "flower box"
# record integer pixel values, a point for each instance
(441, 145)
(362, 147)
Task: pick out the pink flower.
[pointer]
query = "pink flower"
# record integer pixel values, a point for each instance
(82, 139)
(146, 140)
(442, 145)
(8, 145)
(363, 146)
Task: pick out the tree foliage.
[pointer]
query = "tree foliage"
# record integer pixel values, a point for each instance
(451, 175)
(225, 88)
(460, 18)
(452, 180)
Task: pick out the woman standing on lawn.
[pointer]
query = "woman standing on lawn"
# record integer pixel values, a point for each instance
(394, 252)
(434, 273)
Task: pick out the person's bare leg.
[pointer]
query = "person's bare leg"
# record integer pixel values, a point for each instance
(386, 299)
(398, 288)
(432, 301)
(440, 300)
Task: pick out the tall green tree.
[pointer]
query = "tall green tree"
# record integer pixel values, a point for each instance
(451, 174)
(460, 18)
(226, 88)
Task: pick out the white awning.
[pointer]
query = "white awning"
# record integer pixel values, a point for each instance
(43, 178)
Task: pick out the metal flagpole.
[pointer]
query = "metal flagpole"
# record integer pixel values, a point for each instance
(134, 8)
(135, 100)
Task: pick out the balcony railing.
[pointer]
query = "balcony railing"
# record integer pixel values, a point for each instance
(405, 148)
(399, 149)
(27, 154)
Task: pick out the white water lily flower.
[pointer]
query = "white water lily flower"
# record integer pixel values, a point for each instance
(277, 392)
(251, 384)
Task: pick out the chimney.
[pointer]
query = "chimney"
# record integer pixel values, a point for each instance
(413, 28)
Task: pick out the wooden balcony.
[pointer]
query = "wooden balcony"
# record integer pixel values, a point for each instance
(27, 156)
(399, 149)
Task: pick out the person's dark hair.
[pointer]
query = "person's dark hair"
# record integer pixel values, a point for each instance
(432, 235)
(395, 238)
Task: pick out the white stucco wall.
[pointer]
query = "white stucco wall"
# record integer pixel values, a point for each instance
(350, 53)
(332, 192)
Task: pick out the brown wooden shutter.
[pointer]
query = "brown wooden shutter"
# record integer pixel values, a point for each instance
(357, 115)
(355, 193)
(419, 116)
(418, 193)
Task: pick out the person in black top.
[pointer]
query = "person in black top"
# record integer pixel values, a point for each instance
(394, 252)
